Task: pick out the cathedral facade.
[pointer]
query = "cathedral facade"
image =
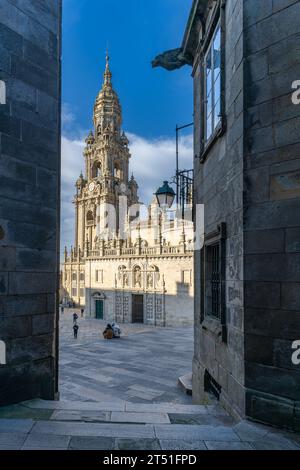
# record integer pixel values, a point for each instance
(124, 267)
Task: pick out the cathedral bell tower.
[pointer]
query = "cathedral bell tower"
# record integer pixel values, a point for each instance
(106, 165)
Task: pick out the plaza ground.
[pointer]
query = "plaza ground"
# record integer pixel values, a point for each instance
(124, 394)
(142, 366)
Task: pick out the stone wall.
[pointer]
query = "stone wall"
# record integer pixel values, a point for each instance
(219, 186)
(250, 181)
(29, 197)
(272, 210)
(178, 299)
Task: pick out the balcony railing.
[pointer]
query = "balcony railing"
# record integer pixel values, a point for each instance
(159, 250)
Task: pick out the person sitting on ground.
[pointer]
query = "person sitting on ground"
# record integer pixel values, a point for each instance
(108, 333)
(116, 330)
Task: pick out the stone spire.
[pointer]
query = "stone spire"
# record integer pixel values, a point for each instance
(107, 110)
(107, 73)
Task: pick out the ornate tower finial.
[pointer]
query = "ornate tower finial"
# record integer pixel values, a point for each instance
(107, 73)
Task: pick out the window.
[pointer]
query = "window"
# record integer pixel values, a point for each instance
(212, 85)
(213, 281)
(74, 277)
(213, 259)
(117, 170)
(99, 276)
(74, 292)
(82, 277)
(81, 292)
(96, 170)
(186, 277)
(90, 218)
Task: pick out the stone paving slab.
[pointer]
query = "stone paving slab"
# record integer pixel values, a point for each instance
(201, 419)
(77, 405)
(137, 444)
(217, 445)
(143, 366)
(23, 412)
(9, 447)
(85, 416)
(37, 441)
(94, 429)
(131, 417)
(16, 425)
(251, 431)
(165, 408)
(12, 438)
(269, 444)
(201, 433)
(193, 444)
(92, 443)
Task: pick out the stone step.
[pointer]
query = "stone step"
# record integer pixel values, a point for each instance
(123, 406)
(110, 417)
(185, 382)
(140, 431)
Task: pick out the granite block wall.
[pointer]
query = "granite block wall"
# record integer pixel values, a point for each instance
(30, 33)
(219, 186)
(271, 210)
(250, 179)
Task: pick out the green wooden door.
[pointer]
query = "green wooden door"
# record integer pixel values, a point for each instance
(99, 309)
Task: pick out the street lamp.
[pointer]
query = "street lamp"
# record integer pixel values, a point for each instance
(165, 195)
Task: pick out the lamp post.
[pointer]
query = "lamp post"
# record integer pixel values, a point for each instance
(184, 180)
(177, 176)
(165, 196)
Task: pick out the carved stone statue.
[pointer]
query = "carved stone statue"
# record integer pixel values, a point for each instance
(172, 59)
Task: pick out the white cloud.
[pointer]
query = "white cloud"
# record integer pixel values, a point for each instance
(152, 161)
(67, 115)
(72, 164)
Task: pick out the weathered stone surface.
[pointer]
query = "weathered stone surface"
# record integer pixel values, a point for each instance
(262, 245)
(137, 444)
(37, 441)
(269, 408)
(29, 168)
(91, 443)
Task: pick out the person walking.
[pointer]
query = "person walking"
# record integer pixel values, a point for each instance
(75, 317)
(75, 329)
(82, 312)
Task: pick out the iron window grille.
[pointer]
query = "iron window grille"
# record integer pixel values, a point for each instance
(215, 281)
(213, 268)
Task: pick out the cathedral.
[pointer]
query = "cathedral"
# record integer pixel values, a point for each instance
(129, 262)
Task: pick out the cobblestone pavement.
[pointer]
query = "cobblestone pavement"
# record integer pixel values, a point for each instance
(142, 366)
(123, 395)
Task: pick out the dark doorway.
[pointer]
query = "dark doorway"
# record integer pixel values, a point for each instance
(99, 309)
(137, 308)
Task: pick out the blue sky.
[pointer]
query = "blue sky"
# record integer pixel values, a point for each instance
(153, 100)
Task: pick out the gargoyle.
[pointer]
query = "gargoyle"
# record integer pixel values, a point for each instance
(172, 59)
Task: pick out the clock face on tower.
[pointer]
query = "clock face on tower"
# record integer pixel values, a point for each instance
(91, 186)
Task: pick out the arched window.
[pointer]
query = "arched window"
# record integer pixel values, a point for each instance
(96, 170)
(82, 276)
(89, 218)
(74, 277)
(117, 170)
